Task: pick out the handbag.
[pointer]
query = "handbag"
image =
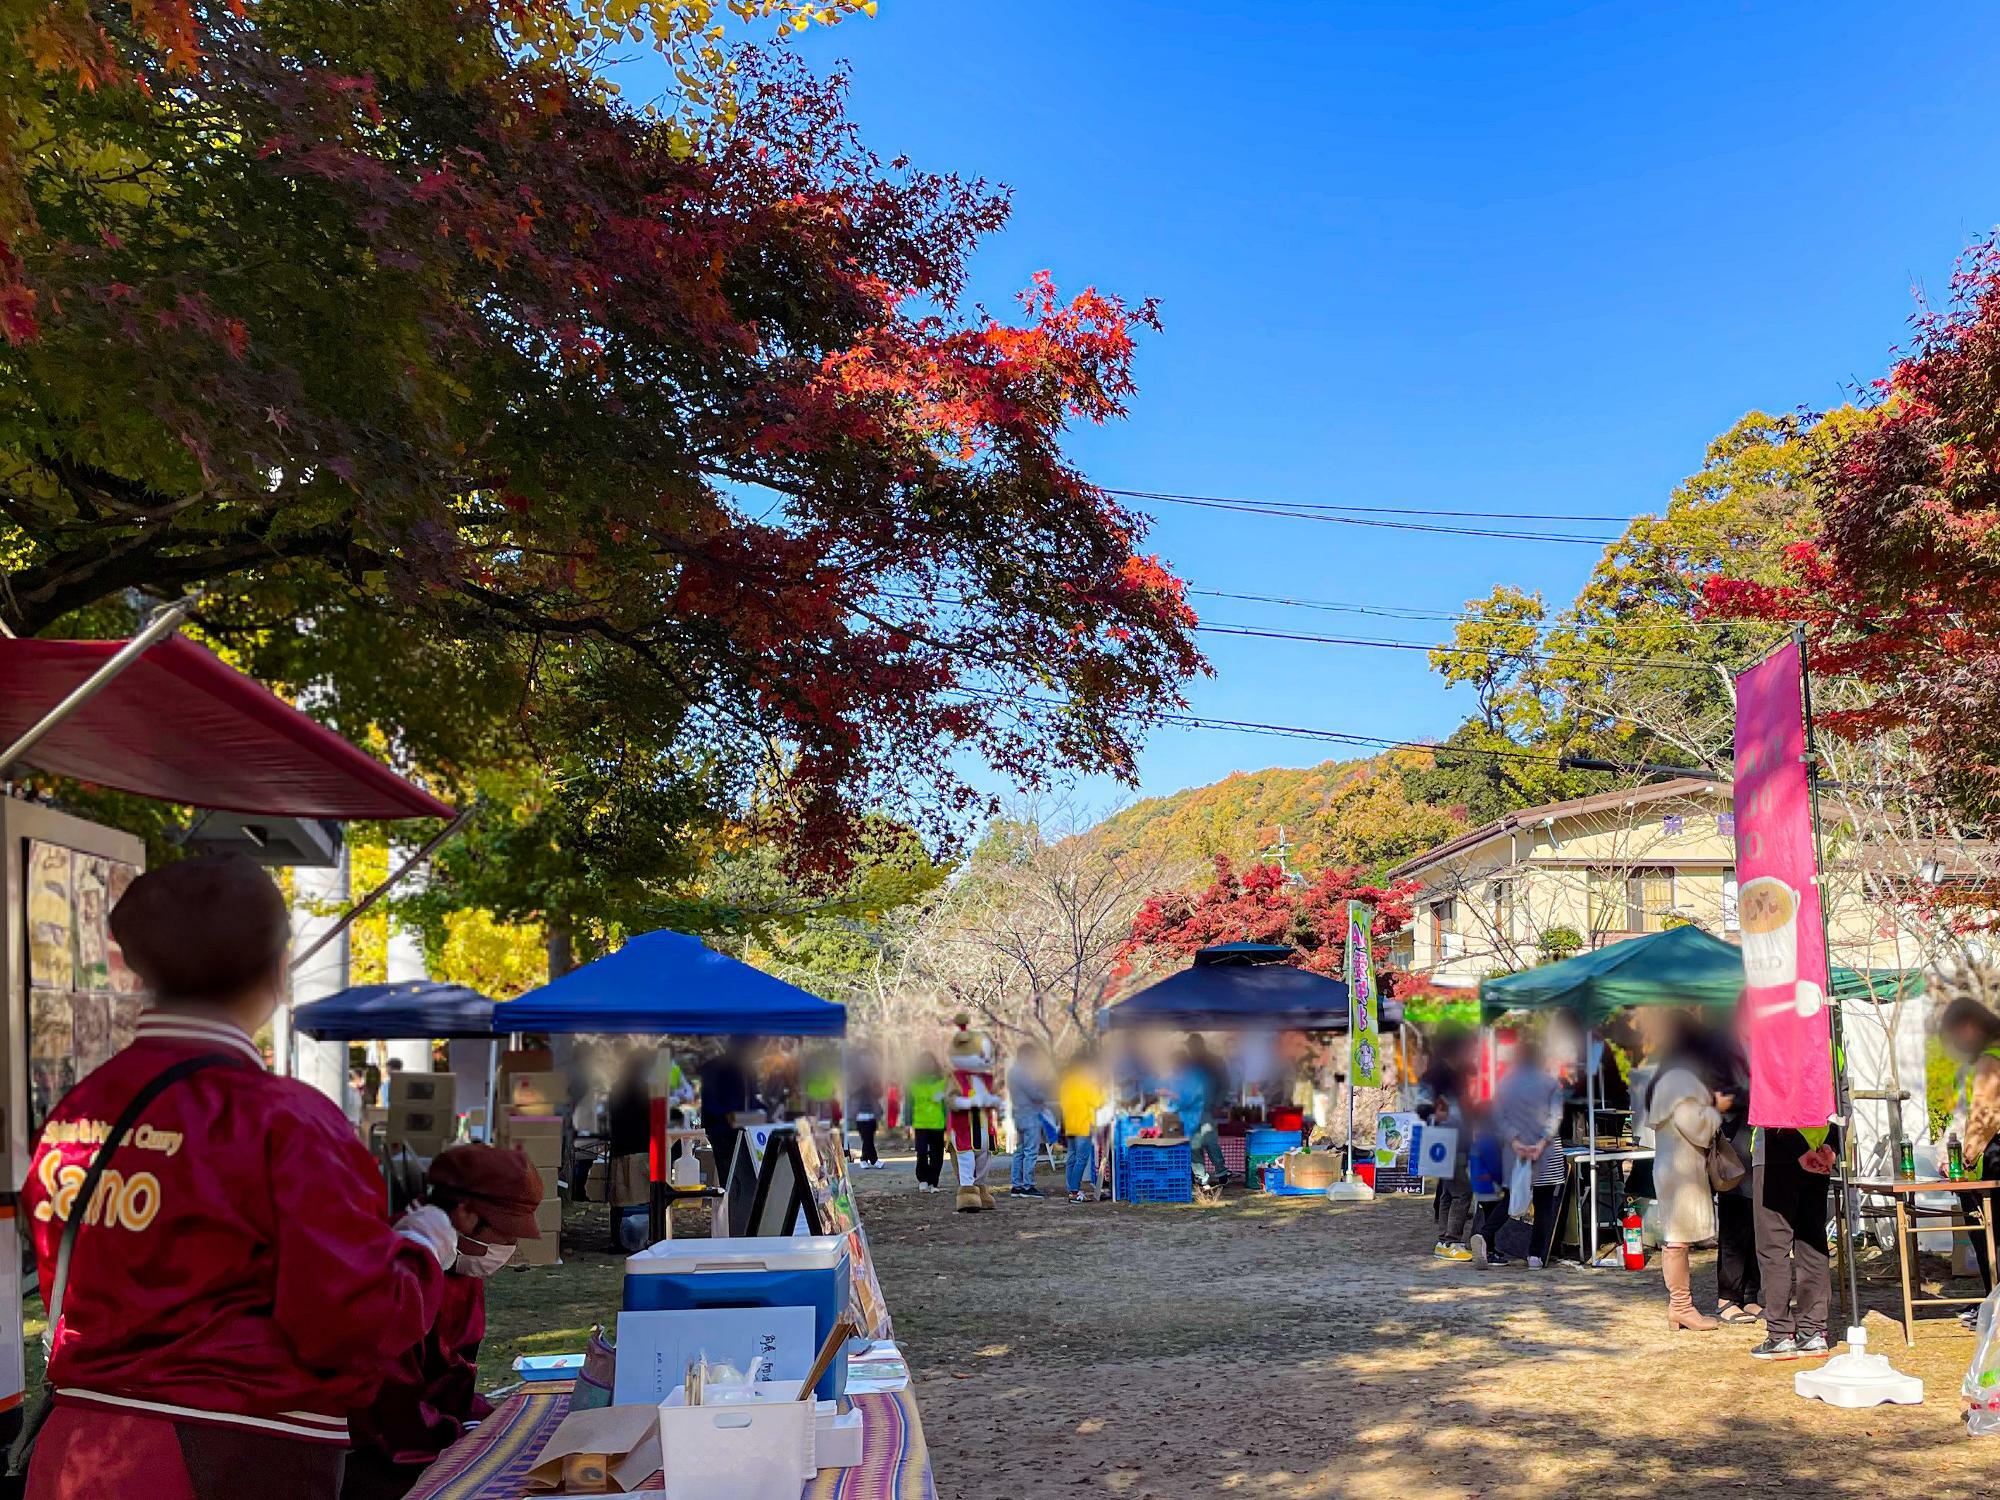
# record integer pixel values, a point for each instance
(1725, 1162)
(24, 1446)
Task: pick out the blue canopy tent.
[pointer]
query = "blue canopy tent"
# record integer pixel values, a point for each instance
(671, 984)
(1237, 986)
(417, 1008)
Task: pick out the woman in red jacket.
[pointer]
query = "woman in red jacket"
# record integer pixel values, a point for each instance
(234, 1287)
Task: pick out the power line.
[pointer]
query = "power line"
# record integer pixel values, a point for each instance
(1486, 651)
(1398, 612)
(1377, 510)
(1340, 520)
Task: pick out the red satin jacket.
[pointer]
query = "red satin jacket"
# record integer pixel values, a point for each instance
(432, 1391)
(237, 1267)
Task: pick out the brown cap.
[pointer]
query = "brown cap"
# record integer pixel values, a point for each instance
(202, 928)
(503, 1185)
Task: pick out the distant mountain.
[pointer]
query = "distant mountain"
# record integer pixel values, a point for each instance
(1335, 813)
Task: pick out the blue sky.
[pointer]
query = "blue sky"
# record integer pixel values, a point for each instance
(1504, 256)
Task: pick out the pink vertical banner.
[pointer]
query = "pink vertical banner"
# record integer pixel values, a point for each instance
(1790, 1033)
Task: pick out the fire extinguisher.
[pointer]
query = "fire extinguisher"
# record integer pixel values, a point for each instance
(1635, 1246)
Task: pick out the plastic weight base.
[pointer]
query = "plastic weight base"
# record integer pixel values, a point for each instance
(1351, 1190)
(1858, 1378)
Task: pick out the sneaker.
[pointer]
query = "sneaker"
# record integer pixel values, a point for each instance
(1970, 1318)
(1813, 1346)
(1535, 1263)
(1032, 1192)
(1079, 1196)
(1452, 1253)
(1776, 1348)
(1014, 1192)
(1481, 1255)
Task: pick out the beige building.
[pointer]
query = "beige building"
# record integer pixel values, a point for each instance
(1545, 881)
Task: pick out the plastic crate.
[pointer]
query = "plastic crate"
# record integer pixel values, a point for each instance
(1156, 1174)
(1233, 1155)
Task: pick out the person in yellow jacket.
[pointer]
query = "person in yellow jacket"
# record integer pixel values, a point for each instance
(1079, 1096)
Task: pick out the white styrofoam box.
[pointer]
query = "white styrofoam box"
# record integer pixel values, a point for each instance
(836, 1436)
(806, 1252)
(753, 1442)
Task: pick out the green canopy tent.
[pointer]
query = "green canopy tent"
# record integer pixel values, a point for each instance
(1682, 966)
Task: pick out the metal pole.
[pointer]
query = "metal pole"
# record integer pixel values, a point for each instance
(360, 907)
(1843, 1105)
(1590, 1135)
(165, 622)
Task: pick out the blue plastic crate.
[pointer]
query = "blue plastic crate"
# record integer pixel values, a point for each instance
(1156, 1174)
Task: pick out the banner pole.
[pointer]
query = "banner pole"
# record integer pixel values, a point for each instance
(1843, 1104)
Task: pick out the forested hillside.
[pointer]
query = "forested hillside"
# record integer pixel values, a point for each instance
(1351, 812)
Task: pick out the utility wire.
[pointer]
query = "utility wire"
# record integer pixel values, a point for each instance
(1398, 612)
(1374, 510)
(1340, 520)
(1486, 651)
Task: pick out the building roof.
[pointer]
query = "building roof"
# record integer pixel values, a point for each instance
(1535, 817)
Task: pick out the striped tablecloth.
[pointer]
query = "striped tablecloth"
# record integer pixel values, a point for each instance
(492, 1461)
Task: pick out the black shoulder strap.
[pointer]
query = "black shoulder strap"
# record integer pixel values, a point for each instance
(80, 1205)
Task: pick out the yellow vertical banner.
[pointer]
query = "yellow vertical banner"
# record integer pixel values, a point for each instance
(1364, 1050)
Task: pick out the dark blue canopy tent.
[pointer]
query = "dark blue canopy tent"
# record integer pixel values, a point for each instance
(668, 983)
(1236, 986)
(416, 1008)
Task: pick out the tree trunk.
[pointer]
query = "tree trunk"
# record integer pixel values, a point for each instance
(559, 944)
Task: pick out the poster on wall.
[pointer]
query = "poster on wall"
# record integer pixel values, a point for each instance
(1778, 913)
(90, 884)
(51, 917)
(123, 980)
(90, 1024)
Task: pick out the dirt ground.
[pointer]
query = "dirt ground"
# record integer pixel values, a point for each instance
(1289, 1348)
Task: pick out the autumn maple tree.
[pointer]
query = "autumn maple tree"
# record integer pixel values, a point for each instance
(1262, 904)
(1898, 588)
(651, 459)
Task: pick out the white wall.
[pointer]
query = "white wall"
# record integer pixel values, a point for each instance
(321, 1064)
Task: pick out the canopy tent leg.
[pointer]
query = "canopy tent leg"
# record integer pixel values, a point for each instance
(1590, 1135)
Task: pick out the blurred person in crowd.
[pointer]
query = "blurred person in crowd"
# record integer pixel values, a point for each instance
(1195, 1101)
(725, 1090)
(1685, 1113)
(1969, 1022)
(1527, 1117)
(864, 1097)
(1443, 1098)
(780, 1087)
(925, 1098)
(1791, 1174)
(1079, 1096)
(1027, 1097)
(431, 1393)
(1738, 1276)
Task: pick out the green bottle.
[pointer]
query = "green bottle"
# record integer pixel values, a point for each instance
(1906, 1162)
(1954, 1158)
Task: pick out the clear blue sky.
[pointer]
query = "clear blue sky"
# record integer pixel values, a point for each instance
(1496, 256)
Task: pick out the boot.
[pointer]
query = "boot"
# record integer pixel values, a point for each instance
(985, 1196)
(1681, 1311)
(968, 1201)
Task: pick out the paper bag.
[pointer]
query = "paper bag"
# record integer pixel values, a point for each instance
(627, 1436)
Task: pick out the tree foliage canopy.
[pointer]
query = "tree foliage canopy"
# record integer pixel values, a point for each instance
(654, 461)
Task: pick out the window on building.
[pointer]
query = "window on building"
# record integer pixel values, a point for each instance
(1638, 900)
(1729, 922)
(1445, 941)
(1500, 894)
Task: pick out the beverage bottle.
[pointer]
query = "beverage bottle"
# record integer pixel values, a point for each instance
(1906, 1162)
(1954, 1157)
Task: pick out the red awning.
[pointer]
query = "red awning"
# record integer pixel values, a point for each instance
(181, 725)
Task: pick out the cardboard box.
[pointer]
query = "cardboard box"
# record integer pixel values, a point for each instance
(541, 1093)
(521, 1129)
(421, 1119)
(548, 1217)
(426, 1146)
(543, 1252)
(526, 1060)
(439, 1090)
(545, 1151)
(1318, 1169)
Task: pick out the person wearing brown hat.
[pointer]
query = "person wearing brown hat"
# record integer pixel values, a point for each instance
(431, 1392)
(231, 1286)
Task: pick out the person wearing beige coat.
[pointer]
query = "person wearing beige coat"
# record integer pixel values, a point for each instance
(1685, 1116)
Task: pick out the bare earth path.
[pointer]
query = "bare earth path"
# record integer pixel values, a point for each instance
(1290, 1349)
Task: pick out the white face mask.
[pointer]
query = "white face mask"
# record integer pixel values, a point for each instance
(485, 1262)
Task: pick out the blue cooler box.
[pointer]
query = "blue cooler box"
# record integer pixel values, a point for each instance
(804, 1271)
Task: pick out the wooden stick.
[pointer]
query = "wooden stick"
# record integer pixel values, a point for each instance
(837, 1335)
